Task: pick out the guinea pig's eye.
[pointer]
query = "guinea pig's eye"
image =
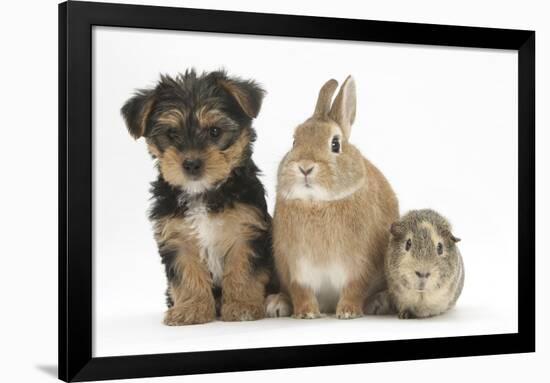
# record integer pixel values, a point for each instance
(214, 132)
(439, 248)
(335, 144)
(408, 244)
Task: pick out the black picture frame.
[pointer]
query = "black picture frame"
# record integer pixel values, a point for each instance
(76, 20)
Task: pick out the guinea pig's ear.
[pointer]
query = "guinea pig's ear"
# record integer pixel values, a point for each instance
(344, 106)
(397, 229)
(137, 110)
(322, 107)
(248, 94)
(448, 234)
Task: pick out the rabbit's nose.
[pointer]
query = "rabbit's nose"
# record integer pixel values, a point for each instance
(306, 172)
(422, 275)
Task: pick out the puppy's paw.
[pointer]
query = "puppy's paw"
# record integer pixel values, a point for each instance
(347, 310)
(181, 315)
(242, 311)
(277, 305)
(308, 310)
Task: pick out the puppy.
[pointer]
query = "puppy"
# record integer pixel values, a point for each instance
(209, 212)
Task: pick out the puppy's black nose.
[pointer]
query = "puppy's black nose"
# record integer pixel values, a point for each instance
(192, 166)
(306, 172)
(422, 275)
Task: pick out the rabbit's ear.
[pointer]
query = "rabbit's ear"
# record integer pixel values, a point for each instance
(325, 97)
(136, 112)
(343, 108)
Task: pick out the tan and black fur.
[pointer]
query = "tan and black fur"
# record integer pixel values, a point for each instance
(332, 214)
(209, 212)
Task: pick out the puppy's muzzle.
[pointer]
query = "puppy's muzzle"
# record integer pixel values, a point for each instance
(193, 167)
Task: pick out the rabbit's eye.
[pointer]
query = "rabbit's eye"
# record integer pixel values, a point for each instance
(335, 145)
(408, 244)
(439, 248)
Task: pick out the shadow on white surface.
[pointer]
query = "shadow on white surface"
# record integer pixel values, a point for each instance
(145, 334)
(48, 369)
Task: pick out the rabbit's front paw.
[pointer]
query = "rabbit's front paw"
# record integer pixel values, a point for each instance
(308, 310)
(348, 310)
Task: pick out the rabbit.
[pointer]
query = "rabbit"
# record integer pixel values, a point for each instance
(332, 213)
(424, 268)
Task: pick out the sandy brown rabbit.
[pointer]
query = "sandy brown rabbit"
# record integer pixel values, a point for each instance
(332, 214)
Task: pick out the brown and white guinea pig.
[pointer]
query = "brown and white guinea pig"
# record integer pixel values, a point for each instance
(424, 268)
(332, 214)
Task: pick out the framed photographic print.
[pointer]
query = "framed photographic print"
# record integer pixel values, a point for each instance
(244, 191)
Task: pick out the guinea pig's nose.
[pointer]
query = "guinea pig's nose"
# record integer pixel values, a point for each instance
(192, 166)
(422, 275)
(306, 172)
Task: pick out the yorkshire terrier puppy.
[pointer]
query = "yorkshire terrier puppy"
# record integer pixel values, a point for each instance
(209, 212)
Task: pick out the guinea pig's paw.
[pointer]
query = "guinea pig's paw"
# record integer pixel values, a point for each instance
(277, 305)
(307, 311)
(242, 311)
(375, 306)
(347, 310)
(406, 314)
(379, 304)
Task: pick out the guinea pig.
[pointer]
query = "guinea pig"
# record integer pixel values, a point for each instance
(423, 266)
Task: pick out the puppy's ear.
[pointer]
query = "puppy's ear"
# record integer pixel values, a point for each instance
(136, 112)
(343, 107)
(397, 229)
(248, 94)
(448, 234)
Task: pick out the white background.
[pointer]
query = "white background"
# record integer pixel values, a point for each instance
(29, 193)
(428, 117)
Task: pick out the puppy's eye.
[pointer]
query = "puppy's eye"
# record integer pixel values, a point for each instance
(408, 244)
(214, 132)
(172, 134)
(439, 248)
(335, 145)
